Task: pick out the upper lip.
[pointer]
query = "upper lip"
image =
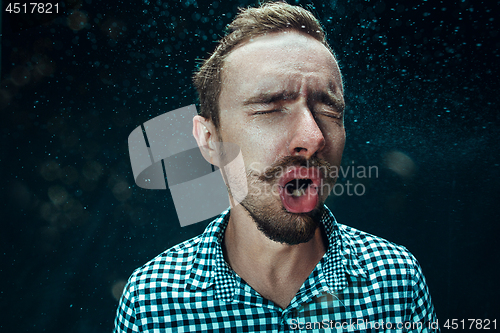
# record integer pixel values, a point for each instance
(314, 174)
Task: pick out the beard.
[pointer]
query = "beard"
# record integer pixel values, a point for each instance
(281, 226)
(266, 209)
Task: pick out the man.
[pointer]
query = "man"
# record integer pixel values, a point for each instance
(278, 260)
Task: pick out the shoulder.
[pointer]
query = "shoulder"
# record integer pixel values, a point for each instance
(175, 267)
(156, 286)
(377, 254)
(169, 268)
(387, 272)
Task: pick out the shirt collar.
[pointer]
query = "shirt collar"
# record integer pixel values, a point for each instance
(342, 256)
(210, 268)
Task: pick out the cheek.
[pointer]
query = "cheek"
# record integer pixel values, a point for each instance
(257, 143)
(335, 143)
(262, 149)
(335, 134)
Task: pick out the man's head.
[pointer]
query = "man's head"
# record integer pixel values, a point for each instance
(248, 24)
(280, 99)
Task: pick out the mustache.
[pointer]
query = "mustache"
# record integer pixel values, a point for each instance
(276, 170)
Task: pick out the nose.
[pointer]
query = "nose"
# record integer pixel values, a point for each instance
(307, 137)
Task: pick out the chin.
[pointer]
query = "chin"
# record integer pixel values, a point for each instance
(281, 226)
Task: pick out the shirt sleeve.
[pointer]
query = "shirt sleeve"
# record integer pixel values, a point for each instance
(125, 321)
(422, 310)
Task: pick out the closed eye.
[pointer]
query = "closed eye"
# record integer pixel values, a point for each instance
(328, 110)
(331, 114)
(264, 112)
(268, 111)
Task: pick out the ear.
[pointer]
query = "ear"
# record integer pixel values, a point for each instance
(206, 137)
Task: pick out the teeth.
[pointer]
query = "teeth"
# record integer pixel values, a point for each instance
(299, 192)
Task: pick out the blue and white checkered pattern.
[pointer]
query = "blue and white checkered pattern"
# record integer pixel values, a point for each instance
(362, 284)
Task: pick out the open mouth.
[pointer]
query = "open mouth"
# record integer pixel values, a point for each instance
(299, 189)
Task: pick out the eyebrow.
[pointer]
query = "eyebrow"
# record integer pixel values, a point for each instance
(270, 97)
(322, 96)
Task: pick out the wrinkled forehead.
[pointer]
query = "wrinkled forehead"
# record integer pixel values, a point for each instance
(280, 54)
(286, 39)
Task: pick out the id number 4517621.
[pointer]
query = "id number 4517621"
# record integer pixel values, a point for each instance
(479, 324)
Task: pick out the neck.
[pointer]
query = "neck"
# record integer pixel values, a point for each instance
(273, 269)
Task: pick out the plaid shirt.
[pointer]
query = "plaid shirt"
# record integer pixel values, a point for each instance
(362, 284)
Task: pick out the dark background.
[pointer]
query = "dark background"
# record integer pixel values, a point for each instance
(421, 82)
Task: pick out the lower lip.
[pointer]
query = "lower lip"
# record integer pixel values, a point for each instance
(300, 204)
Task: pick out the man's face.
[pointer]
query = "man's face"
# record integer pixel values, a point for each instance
(282, 103)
